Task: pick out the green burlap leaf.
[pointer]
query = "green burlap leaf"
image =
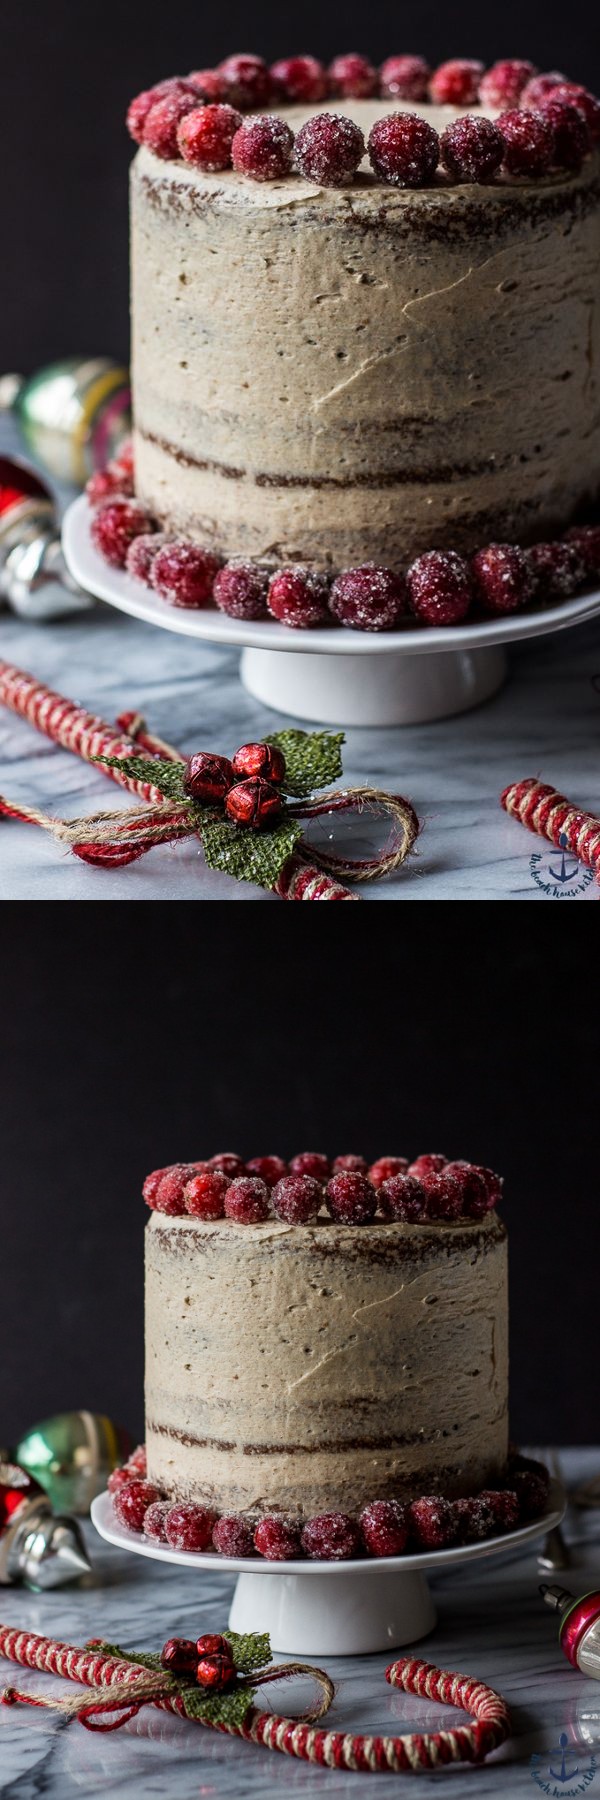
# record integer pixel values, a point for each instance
(257, 856)
(251, 1650)
(167, 776)
(228, 1708)
(131, 1656)
(312, 759)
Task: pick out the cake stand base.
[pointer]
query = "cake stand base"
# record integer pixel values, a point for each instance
(346, 1617)
(396, 689)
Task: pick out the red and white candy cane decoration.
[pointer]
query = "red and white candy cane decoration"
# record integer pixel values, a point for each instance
(548, 813)
(332, 1749)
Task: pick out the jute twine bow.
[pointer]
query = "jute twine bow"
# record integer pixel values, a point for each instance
(132, 1687)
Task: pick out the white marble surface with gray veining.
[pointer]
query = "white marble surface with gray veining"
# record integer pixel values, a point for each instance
(545, 721)
(492, 1624)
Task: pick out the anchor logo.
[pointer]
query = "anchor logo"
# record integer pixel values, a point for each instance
(573, 1775)
(564, 874)
(565, 1774)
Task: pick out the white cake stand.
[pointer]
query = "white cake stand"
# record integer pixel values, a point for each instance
(335, 676)
(328, 1608)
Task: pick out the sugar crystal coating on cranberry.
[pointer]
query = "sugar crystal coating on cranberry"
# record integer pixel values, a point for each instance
(493, 1184)
(351, 1165)
(278, 1540)
(537, 90)
(169, 1196)
(586, 539)
(253, 803)
(297, 1199)
(504, 1507)
(114, 527)
(569, 130)
(267, 760)
(384, 1527)
(311, 1162)
(189, 1527)
(142, 551)
(503, 84)
(155, 1519)
(404, 150)
(557, 568)
(152, 1184)
(351, 1199)
(106, 483)
(440, 587)
(473, 1519)
(119, 1478)
(248, 81)
(369, 598)
(587, 104)
(473, 1189)
(263, 148)
(328, 149)
(232, 1536)
(503, 579)
(404, 78)
(528, 142)
(208, 777)
(142, 104)
(531, 1490)
(298, 597)
(403, 1198)
(131, 1503)
(352, 76)
(432, 1522)
(385, 1167)
(331, 1536)
(209, 84)
(456, 83)
(229, 1162)
(240, 589)
(205, 136)
(443, 1195)
(428, 1164)
(138, 1460)
(269, 1169)
(471, 149)
(299, 78)
(247, 1200)
(205, 1194)
(183, 574)
(162, 124)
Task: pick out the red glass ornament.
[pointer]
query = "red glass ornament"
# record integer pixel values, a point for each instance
(15, 1487)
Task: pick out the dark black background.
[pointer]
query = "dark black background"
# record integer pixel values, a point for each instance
(134, 1037)
(69, 69)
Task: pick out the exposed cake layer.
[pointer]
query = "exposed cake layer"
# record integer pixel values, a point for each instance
(337, 375)
(299, 1368)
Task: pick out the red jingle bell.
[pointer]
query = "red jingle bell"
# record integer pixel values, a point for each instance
(179, 1656)
(208, 777)
(253, 803)
(259, 759)
(212, 1644)
(215, 1672)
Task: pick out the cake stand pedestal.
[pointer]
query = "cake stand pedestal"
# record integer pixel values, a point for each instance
(333, 676)
(328, 1608)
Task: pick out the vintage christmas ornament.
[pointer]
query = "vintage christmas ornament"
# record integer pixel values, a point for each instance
(34, 578)
(37, 1547)
(579, 1627)
(72, 1456)
(73, 414)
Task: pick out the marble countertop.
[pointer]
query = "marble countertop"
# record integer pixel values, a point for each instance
(492, 1624)
(545, 721)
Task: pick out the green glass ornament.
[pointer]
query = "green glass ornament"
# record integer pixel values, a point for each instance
(72, 1456)
(73, 414)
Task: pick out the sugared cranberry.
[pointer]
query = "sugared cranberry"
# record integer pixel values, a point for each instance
(440, 587)
(328, 149)
(247, 1200)
(169, 1196)
(205, 1195)
(215, 1673)
(278, 1540)
(503, 84)
(384, 1526)
(531, 1491)
(557, 569)
(114, 527)
(404, 78)
(119, 1478)
(352, 77)
(125, 459)
(184, 573)
(131, 1502)
(586, 103)
(179, 1656)
(528, 142)
(162, 124)
(432, 1522)
(267, 760)
(402, 1197)
(456, 83)
(570, 132)
(205, 136)
(240, 589)
(299, 78)
(537, 90)
(142, 105)
(212, 1643)
(473, 1189)
(263, 148)
(269, 1169)
(142, 551)
(190, 1527)
(404, 150)
(471, 149)
(443, 1196)
(332, 1536)
(253, 803)
(248, 81)
(298, 597)
(155, 1521)
(586, 540)
(209, 85)
(351, 1199)
(106, 483)
(473, 1519)
(229, 1162)
(504, 1507)
(208, 777)
(385, 1167)
(138, 1460)
(503, 580)
(233, 1537)
(152, 1184)
(311, 1162)
(297, 1199)
(493, 1184)
(368, 598)
(350, 1165)
(427, 1165)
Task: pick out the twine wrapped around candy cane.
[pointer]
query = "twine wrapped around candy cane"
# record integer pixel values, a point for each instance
(312, 1743)
(548, 813)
